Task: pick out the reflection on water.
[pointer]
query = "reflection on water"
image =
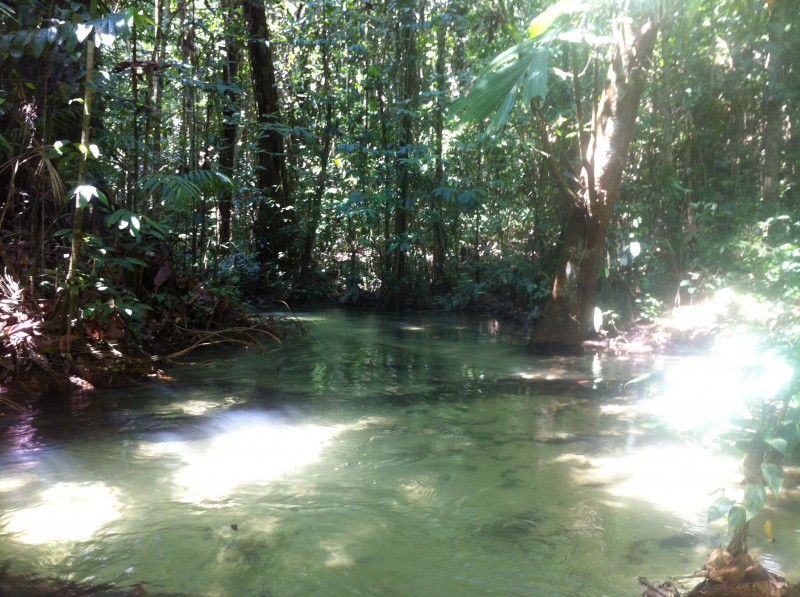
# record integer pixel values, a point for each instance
(375, 456)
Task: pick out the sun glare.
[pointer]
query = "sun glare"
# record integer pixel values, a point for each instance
(65, 512)
(675, 478)
(248, 449)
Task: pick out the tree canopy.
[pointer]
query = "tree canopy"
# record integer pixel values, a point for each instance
(376, 153)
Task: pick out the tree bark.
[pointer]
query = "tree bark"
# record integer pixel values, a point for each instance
(274, 230)
(568, 313)
(230, 125)
(406, 100)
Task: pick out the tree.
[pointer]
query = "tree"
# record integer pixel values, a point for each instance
(568, 313)
(228, 134)
(275, 225)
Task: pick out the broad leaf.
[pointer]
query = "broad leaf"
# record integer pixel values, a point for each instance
(536, 83)
(494, 93)
(493, 87)
(737, 518)
(755, 496)
(84, 194)
(778, 444)
(773, 475)
(720, 508)
(82, 31)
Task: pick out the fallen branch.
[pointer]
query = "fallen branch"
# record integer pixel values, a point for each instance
(224, 337)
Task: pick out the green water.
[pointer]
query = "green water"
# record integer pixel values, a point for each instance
(418, 455)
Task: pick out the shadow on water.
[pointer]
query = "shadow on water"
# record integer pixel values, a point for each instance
(379, 456)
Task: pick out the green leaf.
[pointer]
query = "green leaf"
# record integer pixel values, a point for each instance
(773, 475)
(737, 518)
(42, 37)
(755, 496)
(114, 217)
(492, 88)
(502, 115)
(536, 80)
(8, 11)
(777, 443)
(720, 508)
(84, 194)
(18, 43)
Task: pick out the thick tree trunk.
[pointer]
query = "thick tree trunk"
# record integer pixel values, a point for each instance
(274, 230)
(568, 313)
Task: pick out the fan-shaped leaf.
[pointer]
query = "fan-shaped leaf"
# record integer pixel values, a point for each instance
(536, 80)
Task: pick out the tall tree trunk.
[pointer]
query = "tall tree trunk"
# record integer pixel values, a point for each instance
(274, 230)
(326, 139)
(407, 84)
(230, 125)
(80, 196)
(774, 97)
(438, 131)
(568, 313)
(155, 100)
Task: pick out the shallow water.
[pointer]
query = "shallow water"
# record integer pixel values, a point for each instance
(418, 455)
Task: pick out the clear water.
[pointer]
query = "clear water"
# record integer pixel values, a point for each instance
(418, 455)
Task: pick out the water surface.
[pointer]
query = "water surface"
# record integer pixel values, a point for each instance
(377, 455)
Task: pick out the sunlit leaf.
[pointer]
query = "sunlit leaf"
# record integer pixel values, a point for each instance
(777, 443)
(773, 475)
(545, 20)
(720, 508)
(536, 80)
(492, 89)
(82, 31)
(755, 496)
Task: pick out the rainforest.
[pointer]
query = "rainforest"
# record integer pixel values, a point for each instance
(618, 179)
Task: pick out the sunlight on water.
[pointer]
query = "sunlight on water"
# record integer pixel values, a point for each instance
(703, 393)
(200, 407)
(676, 478)
(247, 448)
(65, 512)
(375, 456)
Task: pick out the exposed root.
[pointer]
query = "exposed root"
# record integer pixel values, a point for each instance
(726, 575)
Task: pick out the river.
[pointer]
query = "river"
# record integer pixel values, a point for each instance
(377, 455)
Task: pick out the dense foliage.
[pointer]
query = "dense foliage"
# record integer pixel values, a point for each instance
(163, 158)
(383, 198)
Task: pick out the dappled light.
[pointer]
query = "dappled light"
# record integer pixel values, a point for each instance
(241, 449)
(366, 451)
(65, 512)
(674, 477)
